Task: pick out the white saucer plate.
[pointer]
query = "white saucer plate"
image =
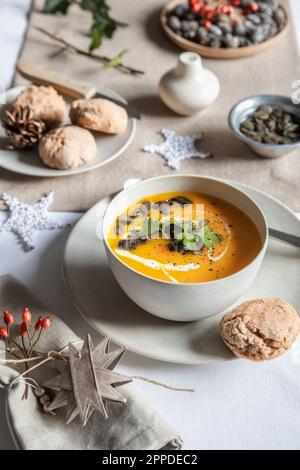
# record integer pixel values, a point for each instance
(106, 307)
(27, 161)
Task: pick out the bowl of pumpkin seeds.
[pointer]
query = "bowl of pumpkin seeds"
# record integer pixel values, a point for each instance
(268, 124)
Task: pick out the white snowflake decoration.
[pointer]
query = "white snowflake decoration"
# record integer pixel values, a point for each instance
(24, 220)
(176, 148)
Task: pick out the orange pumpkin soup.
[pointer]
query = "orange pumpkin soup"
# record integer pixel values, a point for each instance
(185, 237)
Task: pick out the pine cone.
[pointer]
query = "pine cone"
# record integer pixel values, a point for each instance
(21, 129)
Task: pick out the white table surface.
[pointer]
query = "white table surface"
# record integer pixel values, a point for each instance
(237, 405)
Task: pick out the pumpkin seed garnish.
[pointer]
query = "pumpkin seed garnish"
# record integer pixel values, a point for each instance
(271, 125)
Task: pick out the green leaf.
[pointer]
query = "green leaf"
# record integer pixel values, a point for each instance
(89, 5)
(179, 235)
(188, 232)
(115, 61)
(173, 231)
(56, 6)
(109, 31)
(210, 238)
(103, 25)
(96, 38)
(95, 5)
(150, 227)
(189, 236)
(191, 245)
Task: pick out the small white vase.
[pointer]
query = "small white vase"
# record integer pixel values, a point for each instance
(189, 87)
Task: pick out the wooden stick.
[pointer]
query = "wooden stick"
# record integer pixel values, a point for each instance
(100, 58)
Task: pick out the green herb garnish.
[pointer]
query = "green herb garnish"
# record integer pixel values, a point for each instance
(150, 228)
(190, 238)
(183, 237)
(210, 238)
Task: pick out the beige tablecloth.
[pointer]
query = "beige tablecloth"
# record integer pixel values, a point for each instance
(271, 72)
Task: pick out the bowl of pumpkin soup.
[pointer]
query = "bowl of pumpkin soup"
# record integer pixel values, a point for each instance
(184, 247)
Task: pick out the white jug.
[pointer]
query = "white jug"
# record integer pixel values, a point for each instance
(189, 87)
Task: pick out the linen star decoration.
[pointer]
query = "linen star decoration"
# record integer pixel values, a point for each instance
(24, 220)
(88, 383)
(176, 148)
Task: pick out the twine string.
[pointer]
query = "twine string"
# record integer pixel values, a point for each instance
(30, 382)
(52, 355)
(169, 387)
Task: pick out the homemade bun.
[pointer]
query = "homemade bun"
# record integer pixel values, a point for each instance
(99, 115)
(67, 147)
(45, 104)
(260, 329)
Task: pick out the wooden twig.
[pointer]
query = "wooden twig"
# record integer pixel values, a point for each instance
(121, 24)
(100, 58)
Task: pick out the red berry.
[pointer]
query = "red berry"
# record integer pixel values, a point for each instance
(207, 8)
(46, 322)
(227, 9)
(38, 325)
(8, 317)
(254, 7)
(23, 329)
(196, 8)
(3, 332)
(193, 4)
(26, 316)
(235, 3)
(207, 24)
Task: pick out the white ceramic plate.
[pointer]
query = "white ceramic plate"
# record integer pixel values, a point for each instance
(27, 161)
(105, 306)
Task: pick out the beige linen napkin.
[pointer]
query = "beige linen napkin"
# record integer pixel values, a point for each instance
(133, 426)
(273, 71)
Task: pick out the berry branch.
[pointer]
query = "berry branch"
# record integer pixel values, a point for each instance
(24, 331)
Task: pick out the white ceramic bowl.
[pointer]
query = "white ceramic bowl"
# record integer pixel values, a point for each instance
(182, 301)
(244, 108)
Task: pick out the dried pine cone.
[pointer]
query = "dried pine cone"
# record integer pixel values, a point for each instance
(22, 129)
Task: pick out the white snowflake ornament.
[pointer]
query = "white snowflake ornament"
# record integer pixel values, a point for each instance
(176, 148)
(24, 220)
